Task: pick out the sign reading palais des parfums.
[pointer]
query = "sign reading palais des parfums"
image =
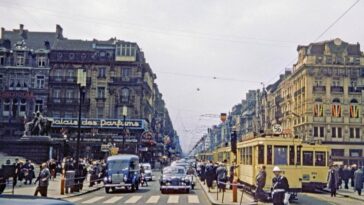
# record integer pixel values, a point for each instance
(99, 123)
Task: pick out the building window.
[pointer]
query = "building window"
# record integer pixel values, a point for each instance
(23, 105)
(336, 108)
(69, 94)
(126, 50)
(6, 108)
(102, 72)
(1, 80)
(318, 131)
(42, 60)
(100, 92)
(56, 93)
(125, 93)
(333, 132)
(336, 132)
(354, 133)
(318, 108)
(15, 107)
(2, 60)
(100, 112)
(125, 72)
(38, 106)
(354, 109)
(339, 132)
(40, 82)
(20, 59)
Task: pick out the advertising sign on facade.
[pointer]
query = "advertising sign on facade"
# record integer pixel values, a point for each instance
(99, 123)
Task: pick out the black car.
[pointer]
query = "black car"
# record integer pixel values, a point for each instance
(174, 178)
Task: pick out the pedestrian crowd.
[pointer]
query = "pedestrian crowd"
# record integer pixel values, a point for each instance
(339, 177)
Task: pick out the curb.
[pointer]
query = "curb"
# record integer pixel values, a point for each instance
(213, 201)
(346, 195)
(80, 194)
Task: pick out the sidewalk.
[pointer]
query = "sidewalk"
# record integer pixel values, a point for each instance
(216, 199)
(349, 193)
(54, 189)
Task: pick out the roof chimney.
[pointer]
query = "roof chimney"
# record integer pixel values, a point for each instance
(2, 32)
(21, 28)
(22, 31)
(59, 32)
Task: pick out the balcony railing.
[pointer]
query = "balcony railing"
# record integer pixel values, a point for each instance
(337, 89)
(27, 62)
(124, 80)
(66, 80)
(67, 101)
(319, 89)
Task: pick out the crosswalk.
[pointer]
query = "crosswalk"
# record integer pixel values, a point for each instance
(133, 199)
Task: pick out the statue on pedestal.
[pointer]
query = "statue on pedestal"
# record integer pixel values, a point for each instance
(39, 126)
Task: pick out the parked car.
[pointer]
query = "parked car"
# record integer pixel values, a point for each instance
(174, 178)
(148, 174)
(122, 171)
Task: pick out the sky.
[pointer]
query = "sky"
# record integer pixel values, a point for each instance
(206, 53)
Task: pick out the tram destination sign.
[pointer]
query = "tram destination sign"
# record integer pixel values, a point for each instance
(99, 123)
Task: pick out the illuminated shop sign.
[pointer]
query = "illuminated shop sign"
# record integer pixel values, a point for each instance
(99, 123)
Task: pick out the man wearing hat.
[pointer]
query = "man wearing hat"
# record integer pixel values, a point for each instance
(280, 188)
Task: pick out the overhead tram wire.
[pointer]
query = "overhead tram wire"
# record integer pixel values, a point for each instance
(318, 37)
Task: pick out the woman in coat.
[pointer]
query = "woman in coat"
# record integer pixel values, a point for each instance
(333, 180)
(358, 180)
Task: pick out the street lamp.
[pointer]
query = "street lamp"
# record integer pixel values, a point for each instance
(81, 82)
(125, 113)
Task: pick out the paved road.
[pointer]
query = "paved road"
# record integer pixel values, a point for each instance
(145, 195)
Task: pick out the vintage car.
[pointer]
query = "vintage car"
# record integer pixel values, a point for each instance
(188, 168)
(174, 178)
(122, 171)
(148, 174)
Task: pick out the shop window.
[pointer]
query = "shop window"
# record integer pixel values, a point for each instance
(280, 155)
(291, 155)
(356, 152)
(320, 158)
(269, 154)
(307, 158)
(337, 152)
(260, 154)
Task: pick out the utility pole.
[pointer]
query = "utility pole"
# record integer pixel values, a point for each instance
(81, 81)
(125, 113)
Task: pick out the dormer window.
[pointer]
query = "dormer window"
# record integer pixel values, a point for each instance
(20, 59)
(41, 61)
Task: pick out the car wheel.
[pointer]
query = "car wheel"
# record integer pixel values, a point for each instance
(107, 190)
(113, 189)
(133, 188)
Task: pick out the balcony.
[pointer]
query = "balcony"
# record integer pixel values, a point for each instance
(337, 89)
(319, 89)
(67, 102)
(66, 80)
(355, 120)
(124, 80)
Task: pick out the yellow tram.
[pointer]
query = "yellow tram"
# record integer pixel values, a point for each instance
(304, 165)
(203, 156)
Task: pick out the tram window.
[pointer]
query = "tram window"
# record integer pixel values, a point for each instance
(298, 161)
(280, 155)
(320, 159)
(250, 156)
(291, 155)
(269, 154)
(260, 154)
(307, 158)
(241, 156)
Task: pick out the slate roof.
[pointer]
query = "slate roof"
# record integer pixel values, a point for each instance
(72, 45)
(33, 40)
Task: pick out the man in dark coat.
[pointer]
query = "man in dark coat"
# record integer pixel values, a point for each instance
(358, 180)
(341, 175)
(332, 180)
(352, 171)
(280, 188)
(346, 176)
(210, 176)
(260, 183)
(43, 181)
(221, 176)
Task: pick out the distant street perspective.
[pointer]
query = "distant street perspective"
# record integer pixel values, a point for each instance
(181, 102)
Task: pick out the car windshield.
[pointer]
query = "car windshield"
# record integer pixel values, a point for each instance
(146, 167)
(118, 164)
(173, 170)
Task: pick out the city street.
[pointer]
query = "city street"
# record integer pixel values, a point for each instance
(145, 195)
